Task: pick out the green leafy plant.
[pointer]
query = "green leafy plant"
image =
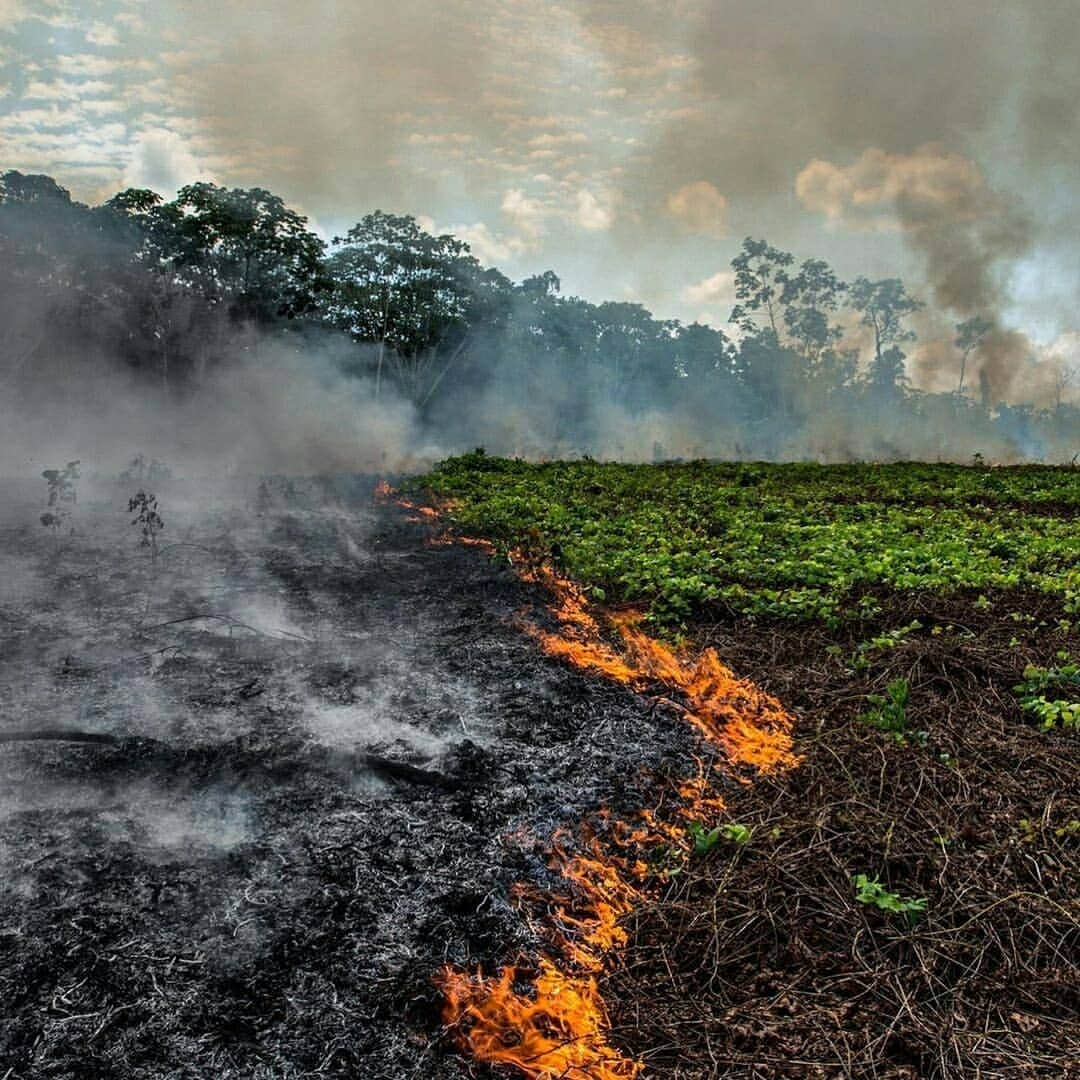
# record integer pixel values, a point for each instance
(865, 651)
(802, 543)
(1052, 694)
(872, 892)
(888, 713)
(704, 840)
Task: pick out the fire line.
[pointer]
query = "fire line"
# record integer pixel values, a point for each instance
(548, 1019)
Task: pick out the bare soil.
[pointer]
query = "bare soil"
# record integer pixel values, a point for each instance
(758, 961)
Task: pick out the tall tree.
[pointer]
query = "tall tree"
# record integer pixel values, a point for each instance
(760, 279)
(970, 334)
(808, 299)
(247, 246)
(703, 355)
(883, 306)
(412, 294)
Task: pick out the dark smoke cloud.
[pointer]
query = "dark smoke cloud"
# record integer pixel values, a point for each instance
(780, 84)
(967, 235)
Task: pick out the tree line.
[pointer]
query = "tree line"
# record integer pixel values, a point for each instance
(171, 287)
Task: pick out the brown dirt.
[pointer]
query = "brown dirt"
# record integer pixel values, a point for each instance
(758, 962)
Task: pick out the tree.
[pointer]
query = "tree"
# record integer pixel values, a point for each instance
(703, 354)
(27, 188)
(631, 346)
(760, 278)
(970, 335)
(808, 299)
(883, 306)
(1063, 377)
(245, 246)
(412, 294)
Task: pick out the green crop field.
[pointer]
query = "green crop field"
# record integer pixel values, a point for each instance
(786, 541)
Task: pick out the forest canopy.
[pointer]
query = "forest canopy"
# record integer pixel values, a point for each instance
(810, 365)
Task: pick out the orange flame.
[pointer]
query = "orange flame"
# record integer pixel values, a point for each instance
(556, 1027)
(751, 726)
(554, 1032)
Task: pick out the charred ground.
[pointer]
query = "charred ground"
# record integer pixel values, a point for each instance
(323, 754)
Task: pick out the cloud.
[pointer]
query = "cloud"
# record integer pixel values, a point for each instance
(699, 208)
(162, 160)
(448, 138)
(717, 289)
(592, 214)
(102, 35)
(12, 12)
(527, 215)
(547, 138)
(63, 90)
(870, 192)
(486, 245)
(90, 65)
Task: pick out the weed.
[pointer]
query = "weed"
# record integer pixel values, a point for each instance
(871, 891)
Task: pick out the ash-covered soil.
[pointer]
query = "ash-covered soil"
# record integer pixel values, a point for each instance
(253, 796)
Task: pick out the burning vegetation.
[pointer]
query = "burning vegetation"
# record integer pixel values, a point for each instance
(549, 1022)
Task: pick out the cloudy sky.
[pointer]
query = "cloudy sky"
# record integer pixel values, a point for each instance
(627, 144)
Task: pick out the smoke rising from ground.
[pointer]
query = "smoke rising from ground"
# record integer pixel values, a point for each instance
(280, 409)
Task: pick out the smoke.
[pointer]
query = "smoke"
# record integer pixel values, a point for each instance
(967, 235)
(272, 407)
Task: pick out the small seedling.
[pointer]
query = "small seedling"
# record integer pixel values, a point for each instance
(888, 713)
(62, 496)
(706, 839)
(866, 650)
(871, 891)
(145, 509)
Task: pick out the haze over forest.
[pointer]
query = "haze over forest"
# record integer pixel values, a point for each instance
(296, 240)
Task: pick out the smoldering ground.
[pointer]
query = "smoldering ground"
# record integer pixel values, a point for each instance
(307, 740)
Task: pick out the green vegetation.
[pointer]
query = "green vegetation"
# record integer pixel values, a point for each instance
(870, 891)
(1052, 694)
(706, 839)
(800, 542)
(888, 713)
(866, 651)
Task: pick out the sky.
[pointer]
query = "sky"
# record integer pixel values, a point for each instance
(629, 145)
